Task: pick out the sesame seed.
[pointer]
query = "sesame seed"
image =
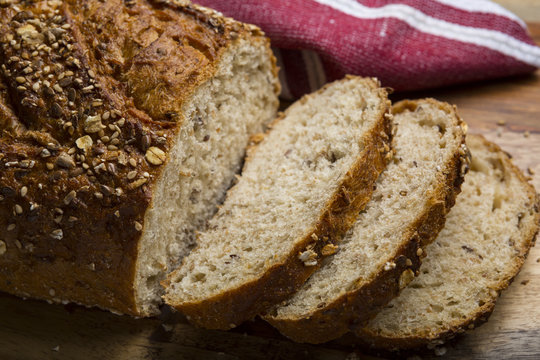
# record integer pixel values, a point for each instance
(18, 209)
(57, 88)
(419, 252)
(49, 166)
(137, 183)
(133, 162)
(132, 175)
(66, 161)
(57, 234)
(24, 191)
(20, 79)
(117, 213)
(11, 227)
(70, 196)
(18, 244)
(526, 134)
(88, 89)
(3, 247)
(138, 226)
(98, 195)
(501, 122)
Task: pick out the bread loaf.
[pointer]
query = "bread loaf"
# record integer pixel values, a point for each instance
(123, 124)
(382, 251)
(300, 191)
(482, 247)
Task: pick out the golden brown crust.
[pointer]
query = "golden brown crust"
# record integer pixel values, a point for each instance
(356, 307)
(430, 337)
(229, 309)
(89, 88)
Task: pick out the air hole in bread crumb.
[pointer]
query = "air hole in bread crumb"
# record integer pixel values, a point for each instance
(497, 202)
(198, 277)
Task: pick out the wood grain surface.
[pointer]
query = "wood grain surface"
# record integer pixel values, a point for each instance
(505, 111)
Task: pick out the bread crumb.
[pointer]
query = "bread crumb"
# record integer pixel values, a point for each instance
(530, 171)
(329, 249)
(353, 356)
(501, 122)
(525, 282)
(440, 351)
(499, 132)
(526, 134)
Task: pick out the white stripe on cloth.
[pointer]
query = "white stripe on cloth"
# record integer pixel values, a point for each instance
(285, 92)
(314, 68)
(483, 6)
(490, 39)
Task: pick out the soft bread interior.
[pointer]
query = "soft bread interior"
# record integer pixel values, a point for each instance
(488, 232)
(286, 182)
(206, 154)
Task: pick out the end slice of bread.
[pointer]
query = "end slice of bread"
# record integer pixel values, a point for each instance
(300, 191)
(481, 249)
(381, 253)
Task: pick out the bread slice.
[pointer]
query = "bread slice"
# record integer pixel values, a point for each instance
(480, 250)
(381, 253)
(300, 191)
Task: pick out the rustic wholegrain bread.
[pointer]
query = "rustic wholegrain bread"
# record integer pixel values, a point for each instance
(382, 251)
(123, 124)
(301, 189)
(480, 250)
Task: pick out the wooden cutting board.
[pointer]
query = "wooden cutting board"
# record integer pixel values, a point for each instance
(36, 330)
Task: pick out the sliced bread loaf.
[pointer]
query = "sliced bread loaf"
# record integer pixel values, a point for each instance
(300, 191)
(131, 124)
(480, 250)
(381, 253)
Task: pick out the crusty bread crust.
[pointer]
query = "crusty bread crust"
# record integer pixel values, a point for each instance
(355, 307)
(430, 337)
(84, 249)
(230, 308)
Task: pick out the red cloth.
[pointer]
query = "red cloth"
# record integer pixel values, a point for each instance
(407, 44)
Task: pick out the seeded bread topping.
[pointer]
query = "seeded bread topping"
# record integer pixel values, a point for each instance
(91, 94)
